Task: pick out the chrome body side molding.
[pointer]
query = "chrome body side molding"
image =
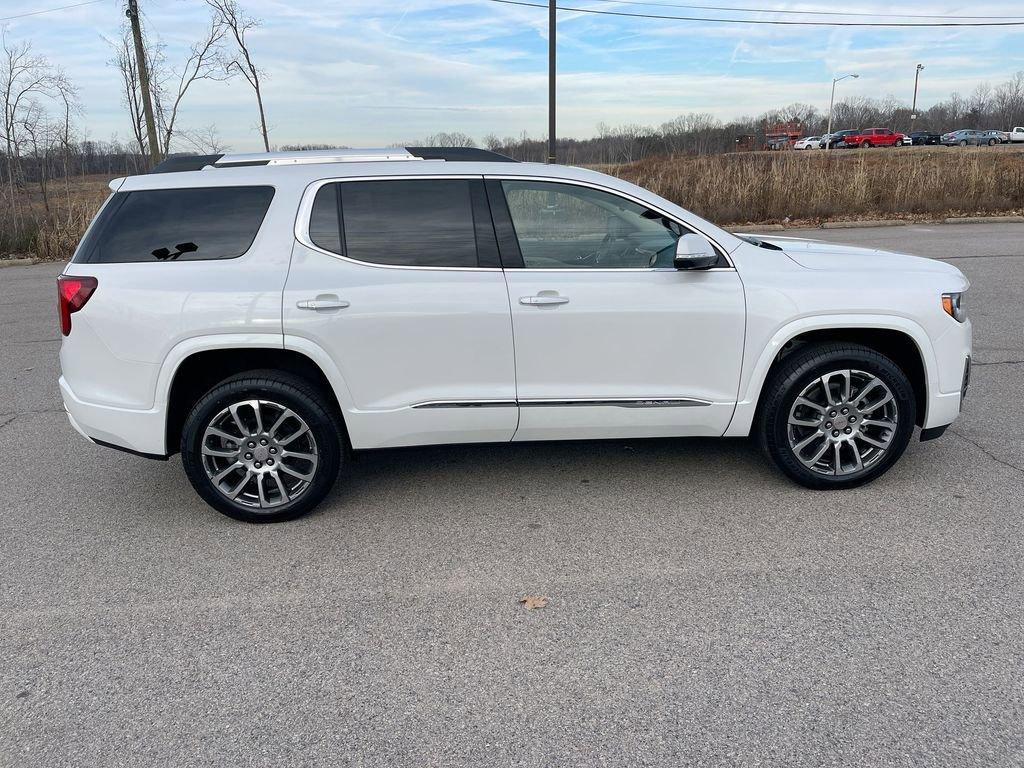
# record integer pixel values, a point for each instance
(616, 402)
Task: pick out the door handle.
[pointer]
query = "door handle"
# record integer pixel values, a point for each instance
(322, 302)
(543, 300)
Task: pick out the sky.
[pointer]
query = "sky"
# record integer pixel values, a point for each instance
(377, 72)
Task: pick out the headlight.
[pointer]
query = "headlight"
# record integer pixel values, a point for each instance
(953, 304)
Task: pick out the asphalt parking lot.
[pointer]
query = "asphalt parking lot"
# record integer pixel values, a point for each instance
(703, 610)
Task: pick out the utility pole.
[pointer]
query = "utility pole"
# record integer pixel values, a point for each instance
(551, 80)
(147, 100)
(913, 108)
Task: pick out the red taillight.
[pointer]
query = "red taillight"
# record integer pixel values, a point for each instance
(72, 293)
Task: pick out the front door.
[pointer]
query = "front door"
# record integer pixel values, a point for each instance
(610, 339)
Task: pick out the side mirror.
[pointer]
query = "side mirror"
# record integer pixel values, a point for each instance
(694, 251)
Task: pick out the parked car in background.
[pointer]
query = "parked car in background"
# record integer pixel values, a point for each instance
(996, 137)
(922, 137)
(874, 137)
(810, 142)
(1017, 134)
(265, 315)
(963, 137)
(836, 139)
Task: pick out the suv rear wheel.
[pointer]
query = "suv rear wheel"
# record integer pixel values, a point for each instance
(836, 415)
(262, 447)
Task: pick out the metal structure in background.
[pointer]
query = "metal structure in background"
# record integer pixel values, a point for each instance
(132, 12)
(552, 10)
(913, 108)
(832, 100)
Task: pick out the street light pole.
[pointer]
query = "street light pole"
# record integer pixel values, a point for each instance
(913, 108)
(551, 80)
(831, 101)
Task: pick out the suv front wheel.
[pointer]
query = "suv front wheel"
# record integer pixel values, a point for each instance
(262, 447)
(836, 415)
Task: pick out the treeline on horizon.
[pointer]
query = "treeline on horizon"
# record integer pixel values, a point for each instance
(696, 133)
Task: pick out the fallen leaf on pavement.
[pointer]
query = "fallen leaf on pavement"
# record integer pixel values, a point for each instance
(533, 601)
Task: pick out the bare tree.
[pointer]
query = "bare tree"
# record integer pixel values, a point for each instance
(24, 79)
(206, 140)
(205, 62)
(26, 82)
(453, 139)
(238, 24)
(169, 85)
(1008, 101)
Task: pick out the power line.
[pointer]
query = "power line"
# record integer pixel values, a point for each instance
(49, 10)
(804, 13)
(776, 22)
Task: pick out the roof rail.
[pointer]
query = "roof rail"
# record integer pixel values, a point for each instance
(177, 163)
(460, 154)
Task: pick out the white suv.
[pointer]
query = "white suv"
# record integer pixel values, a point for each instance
(266, 314)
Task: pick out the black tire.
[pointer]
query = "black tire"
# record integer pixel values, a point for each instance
(797, 371)
(962, 142)
(865, 144)
(992, 142)
(899, 142)
(290, 391)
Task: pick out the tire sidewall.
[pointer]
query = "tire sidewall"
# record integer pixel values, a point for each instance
(802, 372)
(304, 402)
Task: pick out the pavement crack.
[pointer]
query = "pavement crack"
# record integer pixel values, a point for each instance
(7, 419)
(987, 452)
(997, 362)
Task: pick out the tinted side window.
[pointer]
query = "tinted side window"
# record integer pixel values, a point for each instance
(180, 225)
(324, 224)
(416, 222)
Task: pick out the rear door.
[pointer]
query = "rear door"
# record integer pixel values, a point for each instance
(610, 339)
(398, 280)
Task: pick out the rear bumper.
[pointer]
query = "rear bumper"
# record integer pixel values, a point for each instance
(136, 431)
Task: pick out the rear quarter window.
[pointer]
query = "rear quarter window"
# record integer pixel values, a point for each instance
(196, 224)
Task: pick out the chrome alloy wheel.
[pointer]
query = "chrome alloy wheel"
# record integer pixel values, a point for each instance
(842, 423)
(256, 465)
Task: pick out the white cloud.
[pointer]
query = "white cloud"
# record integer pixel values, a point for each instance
(365, 72)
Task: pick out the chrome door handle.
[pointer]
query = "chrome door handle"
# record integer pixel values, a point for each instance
(543, 300)
(321, 304)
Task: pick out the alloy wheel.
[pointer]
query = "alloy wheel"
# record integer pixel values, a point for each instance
(259, 453)
(843, 422)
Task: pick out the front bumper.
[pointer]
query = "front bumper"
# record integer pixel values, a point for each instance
(135, 431)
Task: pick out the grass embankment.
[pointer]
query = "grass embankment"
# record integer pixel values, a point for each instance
(744, 188)
(49, 227)
(815, 186)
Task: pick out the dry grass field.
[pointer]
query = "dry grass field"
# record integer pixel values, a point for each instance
(49, 228)
(742, 188)
(813, 185)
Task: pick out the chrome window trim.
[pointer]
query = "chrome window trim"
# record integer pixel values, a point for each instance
(619, 193)
(547, 402)
(301, 229)
(306, 209)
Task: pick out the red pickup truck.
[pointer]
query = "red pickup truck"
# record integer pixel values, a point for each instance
(875, 137)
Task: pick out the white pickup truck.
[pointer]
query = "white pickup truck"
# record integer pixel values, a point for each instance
(1017, 134)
